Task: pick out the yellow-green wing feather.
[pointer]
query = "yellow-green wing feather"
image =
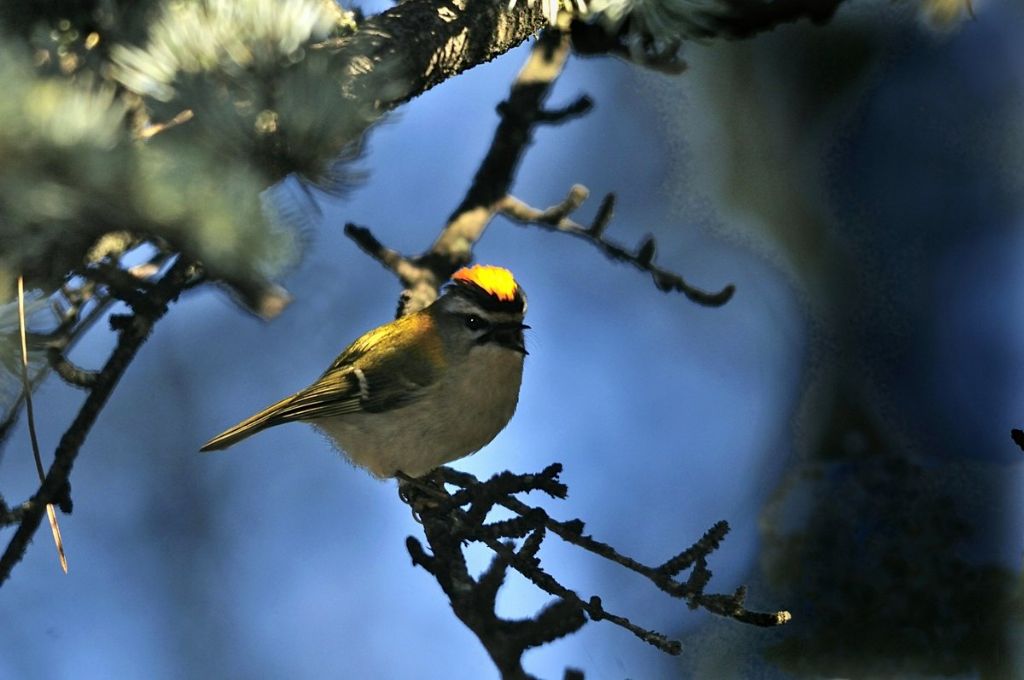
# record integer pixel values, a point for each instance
(406, 358)
(250, 426)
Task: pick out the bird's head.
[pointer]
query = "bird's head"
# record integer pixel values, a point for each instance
(483, 306)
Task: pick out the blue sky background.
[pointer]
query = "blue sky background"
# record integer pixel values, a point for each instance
(278, 559)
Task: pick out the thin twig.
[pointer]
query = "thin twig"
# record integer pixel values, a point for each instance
(556, 218)
(72, 325)
(473, 490)
(592, 606)
(423, 275)
(69, 372)
(14, 515)
(153, 129)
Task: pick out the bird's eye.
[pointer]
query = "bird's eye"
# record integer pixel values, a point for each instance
(475, 323)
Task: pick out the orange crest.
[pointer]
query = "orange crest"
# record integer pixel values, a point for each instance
(496, 281)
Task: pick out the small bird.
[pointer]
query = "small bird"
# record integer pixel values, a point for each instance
(423, 390)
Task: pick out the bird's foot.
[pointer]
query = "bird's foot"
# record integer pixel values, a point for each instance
(422, 494)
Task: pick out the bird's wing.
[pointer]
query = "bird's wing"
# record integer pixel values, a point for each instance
(350, 390)
(268, 417)
(397, 371)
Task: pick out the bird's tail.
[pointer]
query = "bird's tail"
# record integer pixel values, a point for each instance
(268, 417)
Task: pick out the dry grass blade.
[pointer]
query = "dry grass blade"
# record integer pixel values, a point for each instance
(54, 527)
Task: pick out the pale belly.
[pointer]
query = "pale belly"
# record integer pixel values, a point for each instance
(478, 400)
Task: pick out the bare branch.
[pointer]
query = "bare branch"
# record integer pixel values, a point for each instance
(662, 576)
(578, 108)
(133, 332)
(70, 373)
(556, 218)
(462, 517)
(421, 276)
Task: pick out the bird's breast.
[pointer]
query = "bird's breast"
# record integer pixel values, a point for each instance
(458, 415)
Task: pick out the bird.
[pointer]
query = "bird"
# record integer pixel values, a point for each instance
(421, 391)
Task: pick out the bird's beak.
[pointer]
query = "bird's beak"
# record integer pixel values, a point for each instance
(511, 336)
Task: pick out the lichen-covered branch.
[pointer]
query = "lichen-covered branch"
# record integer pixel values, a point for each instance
(408, 49)
(424, 42)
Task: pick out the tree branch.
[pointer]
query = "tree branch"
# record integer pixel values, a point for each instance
(73, 322)
(449, 521)
(461, 517)
(132, 333)
(405, 51)
(422, 276)
(556, 218)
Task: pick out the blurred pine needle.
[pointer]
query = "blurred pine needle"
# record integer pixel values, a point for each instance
(50, 512)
